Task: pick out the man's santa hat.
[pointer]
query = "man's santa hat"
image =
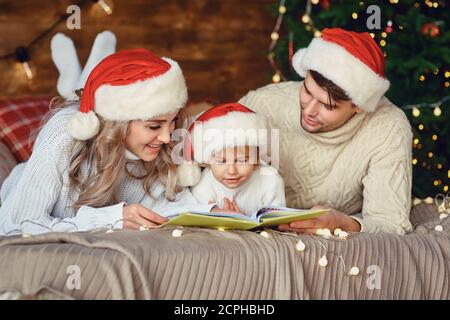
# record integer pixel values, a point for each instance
(222, 126)
(352, 60)
(128, 85)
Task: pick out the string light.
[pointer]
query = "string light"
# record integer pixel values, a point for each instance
(354, 15)
(439, 166)
(434, 137)
(430, 154)
(384, 34)
(415, 112)
(21, 54)
(414, 161)
(382, 43)
(275, 37)
(447, 74)
(416, 141)
(421, 127)
(422, 77)
(372, 35)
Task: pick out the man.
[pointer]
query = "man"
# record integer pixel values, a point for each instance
(343, 145)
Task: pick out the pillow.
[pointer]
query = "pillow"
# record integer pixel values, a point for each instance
(7, 162)
(18, 119)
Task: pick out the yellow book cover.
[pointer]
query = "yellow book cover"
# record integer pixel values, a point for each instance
(264, 217)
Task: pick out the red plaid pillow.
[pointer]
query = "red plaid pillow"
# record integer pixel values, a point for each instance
(18, 119)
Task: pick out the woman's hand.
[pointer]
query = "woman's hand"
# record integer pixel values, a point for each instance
(331, 220)
(136, 216)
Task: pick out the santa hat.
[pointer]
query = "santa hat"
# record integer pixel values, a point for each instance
(128, 85)
(352, 60)
(222, 126)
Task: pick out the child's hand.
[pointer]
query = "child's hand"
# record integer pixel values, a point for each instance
(229, 207)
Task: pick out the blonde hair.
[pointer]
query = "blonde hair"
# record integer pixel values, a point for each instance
(107, 165)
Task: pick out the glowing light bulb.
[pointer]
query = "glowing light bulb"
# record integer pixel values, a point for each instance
(106, 5)
(437, 111)
(276, 78)
(306, 18)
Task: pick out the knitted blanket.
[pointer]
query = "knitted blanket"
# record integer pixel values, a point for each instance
(213, 264)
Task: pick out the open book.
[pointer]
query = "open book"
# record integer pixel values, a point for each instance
(264, 217)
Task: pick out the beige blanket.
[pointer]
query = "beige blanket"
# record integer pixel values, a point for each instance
(212, 264)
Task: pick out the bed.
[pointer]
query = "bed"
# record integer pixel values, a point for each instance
(214, 264)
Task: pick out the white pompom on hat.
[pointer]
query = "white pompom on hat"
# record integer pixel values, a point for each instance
(352, 60)
(128, 85)
(222, 126)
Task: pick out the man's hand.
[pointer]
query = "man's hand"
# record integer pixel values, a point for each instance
(136, 215)
(331, 220)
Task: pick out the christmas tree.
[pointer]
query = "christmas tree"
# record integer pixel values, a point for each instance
(416, 42)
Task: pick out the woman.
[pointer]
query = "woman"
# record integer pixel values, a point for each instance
(87, 165)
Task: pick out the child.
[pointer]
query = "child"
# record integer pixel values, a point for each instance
(228, 140)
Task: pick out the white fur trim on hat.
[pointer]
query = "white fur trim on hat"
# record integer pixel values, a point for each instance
(83, 126)
(232, 130)
(361, 83)
(144, 99)
(188, 174)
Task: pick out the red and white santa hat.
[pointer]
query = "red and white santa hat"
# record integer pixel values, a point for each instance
(128, 85)
(222, 126)
(352, 60)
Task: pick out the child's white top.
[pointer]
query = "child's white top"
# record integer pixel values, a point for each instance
(35, 197)
(265, 187)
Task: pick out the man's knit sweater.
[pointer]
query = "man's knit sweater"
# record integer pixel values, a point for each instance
(35, 197)
(363, 167)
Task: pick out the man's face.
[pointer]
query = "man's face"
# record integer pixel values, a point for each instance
(317, 114)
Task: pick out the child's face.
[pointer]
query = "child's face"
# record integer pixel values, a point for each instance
(234, 165)
(146, 138)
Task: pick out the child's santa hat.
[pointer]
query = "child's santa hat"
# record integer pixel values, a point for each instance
(128, 85)
(352, 60)
(222, 126)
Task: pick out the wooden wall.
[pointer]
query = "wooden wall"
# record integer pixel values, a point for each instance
(220, 44)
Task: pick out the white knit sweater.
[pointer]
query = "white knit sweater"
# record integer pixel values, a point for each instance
(264, 188)
(362, 167)
(35, 197)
